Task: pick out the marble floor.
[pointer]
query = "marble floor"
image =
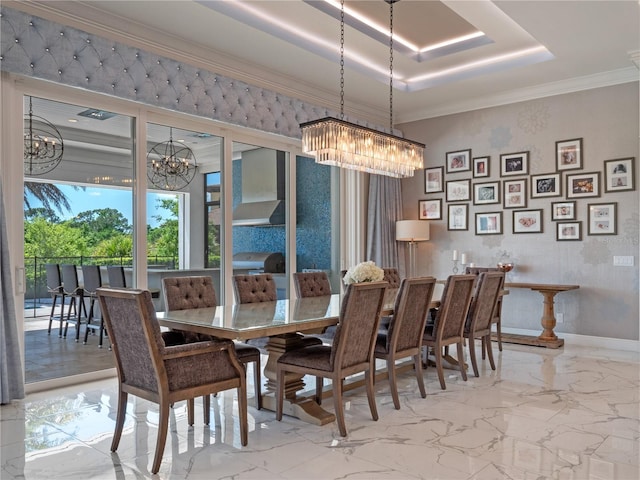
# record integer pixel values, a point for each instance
(572, 413)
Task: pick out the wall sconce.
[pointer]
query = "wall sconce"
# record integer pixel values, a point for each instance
(412, 231)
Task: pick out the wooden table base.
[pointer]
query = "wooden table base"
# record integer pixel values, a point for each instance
(529, 340)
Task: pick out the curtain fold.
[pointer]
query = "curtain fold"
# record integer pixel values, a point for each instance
(11, 376)
(384, 209)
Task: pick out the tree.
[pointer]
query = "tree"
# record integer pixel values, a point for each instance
(163, 239)
(48, 194)
(41, 212)
(116, 246)
(100, 224)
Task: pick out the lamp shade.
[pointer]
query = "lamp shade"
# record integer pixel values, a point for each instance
(412, 230)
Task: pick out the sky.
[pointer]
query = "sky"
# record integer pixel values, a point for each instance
(93, 198)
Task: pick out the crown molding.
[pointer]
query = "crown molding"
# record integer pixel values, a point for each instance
(588, 82)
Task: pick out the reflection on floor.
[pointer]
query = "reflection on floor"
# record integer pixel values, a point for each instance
(571, 413)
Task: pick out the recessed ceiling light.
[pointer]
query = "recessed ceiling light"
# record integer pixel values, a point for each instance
(73, 120)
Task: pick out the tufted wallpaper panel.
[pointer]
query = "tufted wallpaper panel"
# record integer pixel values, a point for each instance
(36, 47)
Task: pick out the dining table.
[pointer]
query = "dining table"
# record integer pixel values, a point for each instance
(283, 322)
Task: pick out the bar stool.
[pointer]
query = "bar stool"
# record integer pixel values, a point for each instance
(92, 280)
(54, 287)
(72, 290)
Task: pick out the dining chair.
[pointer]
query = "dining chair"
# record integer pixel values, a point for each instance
(149, 369)
(262, 288)
(481, 312)
(75, 293)
(448, 326)
(404, 336)
(54, 288)
(91, 281)
(314, 284)
(392, 277)
(184, 293)
(350, 353)
(116, 277)
(497, 315)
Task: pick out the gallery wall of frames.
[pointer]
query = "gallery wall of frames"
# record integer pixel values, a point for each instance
(509, 190)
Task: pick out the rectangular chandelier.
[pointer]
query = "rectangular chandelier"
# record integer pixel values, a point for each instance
(347, 145)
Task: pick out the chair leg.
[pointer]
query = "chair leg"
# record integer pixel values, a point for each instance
(81, 307)
(461, 360)
(279, 392)
(371, 394)
(242, 413)
(417, 362)
(190, 412)
(51, 314)
(89, 320)
(257, 378)
(120, 414)
(319, 388)
(438, 355)
(206, 409)
(163, 425)
(393, 385)
(490, 352)
(499, 332)
(472, 354)
(338, 406)
(484, 347)
(72, 305)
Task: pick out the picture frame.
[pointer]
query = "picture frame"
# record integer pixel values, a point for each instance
(489, 223)
(563, 211)
(603, 218)
(514, 193)
(434, 180)
(619, 175)
(458, 190)
(568, 231)
(458, 216)
(527, 221)
(546, 185)
(514, 164)
(486, 193)
(430, 209)
(481, 166)
(459, 161)
(569, 154)
(581, 185)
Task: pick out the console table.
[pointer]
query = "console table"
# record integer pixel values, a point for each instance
(547, 338)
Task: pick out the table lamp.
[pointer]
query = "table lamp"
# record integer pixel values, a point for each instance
(412, 231)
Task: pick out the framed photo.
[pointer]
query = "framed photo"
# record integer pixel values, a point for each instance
(619, 175)
(489, 223)
(514, 164)
(602, 218)
(569, 154)
(515, 193)
(546, 185)
(484, 193)
(527, 221)
(433, 180)
(430, 209)
(459, 161)
(481, 166)
(563, 211)
(458, 190)
(580, 185)
(458, 217)
(569, 231)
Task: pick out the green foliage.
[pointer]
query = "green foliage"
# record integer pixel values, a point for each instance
(45, 239)
(163, 239)
(116, 246)
(100, 224)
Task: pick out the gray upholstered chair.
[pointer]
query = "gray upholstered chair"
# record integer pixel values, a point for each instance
(184, 293)
(54, 288)
(311, 284)
(75, 293)
(481, 312)
(392, 277)
(149, 369)
(404, 336)
(497, 315)
(261, 288)
(448, 326)
(91, 281)
(350, 353)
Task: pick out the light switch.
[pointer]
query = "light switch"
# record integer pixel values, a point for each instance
(623, 261)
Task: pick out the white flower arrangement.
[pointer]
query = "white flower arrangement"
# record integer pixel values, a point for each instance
(363, 272)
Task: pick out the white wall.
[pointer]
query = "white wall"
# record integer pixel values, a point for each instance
(606, 119)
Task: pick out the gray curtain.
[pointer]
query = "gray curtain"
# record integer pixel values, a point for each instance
(384, 209)
(11, 377)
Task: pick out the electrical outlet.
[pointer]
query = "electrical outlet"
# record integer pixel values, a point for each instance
(623, 261)
(559, 317)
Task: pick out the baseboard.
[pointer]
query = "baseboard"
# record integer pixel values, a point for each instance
(584, 340)
(35, 387)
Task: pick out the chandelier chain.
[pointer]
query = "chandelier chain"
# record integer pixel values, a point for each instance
(342, 60)
(391, 66)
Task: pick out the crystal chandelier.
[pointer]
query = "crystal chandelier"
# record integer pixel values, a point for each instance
(171, 166)
(43, 145)
(343, 144)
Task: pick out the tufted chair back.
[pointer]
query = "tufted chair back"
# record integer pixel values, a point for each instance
(477, 270)
(392, 277)
(183, 293)
(311, 284)
(254, 288)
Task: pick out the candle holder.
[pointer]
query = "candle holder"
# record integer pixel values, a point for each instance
(455, 267)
